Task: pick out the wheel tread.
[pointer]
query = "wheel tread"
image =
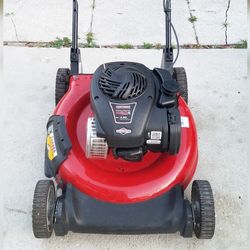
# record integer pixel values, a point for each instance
(39, 213)
(62, 83)
(202, 191)
(181, 77)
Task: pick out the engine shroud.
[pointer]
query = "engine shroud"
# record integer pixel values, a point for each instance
(136, 109)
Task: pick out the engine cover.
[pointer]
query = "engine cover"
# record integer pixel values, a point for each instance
(136, 109)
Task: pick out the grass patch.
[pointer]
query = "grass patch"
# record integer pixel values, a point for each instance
(61, 42)
(148, 46)
(90, 38)
(241, 45)
(125, 46)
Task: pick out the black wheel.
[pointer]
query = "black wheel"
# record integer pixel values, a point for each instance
(203, 209)
(43, 209)
(62, 83)
(181, 77)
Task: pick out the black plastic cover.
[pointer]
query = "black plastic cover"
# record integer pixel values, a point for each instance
(122, 121)
(58, 132)
(78, 212)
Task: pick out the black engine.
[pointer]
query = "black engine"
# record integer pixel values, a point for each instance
(136, 110)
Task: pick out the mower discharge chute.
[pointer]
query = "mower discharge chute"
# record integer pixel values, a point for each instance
(121, 148)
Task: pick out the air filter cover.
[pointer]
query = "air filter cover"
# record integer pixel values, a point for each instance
(122, 82)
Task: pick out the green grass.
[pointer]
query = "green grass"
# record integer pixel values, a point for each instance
(90, 40)
(125, 46)
(61, 42)
(192, 19)
(242, 44)
(148, 46)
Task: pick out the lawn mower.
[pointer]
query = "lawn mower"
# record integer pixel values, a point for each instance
(121, 148)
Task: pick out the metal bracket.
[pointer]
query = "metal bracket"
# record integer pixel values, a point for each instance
(75, 51)
(168, 57)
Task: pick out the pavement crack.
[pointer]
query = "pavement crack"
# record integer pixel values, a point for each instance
(39, 44)
(92, 16)
(14, 210)
(193, 23)
(225, 24)
(13, 23)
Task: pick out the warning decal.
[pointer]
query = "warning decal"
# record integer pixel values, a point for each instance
(51, 146)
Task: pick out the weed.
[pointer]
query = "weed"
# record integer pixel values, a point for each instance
(242, 44)
(61, 42)
(147, 46)
(66, 42)
(90, 40)
(225, 24)
(192, 19)
(9, 14)
(125, 46)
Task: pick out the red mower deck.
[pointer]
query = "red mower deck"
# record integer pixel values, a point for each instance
(120, 181)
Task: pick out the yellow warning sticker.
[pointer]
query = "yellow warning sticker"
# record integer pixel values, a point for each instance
(51, 146)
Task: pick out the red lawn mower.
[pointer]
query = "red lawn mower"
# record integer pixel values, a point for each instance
(121, 148)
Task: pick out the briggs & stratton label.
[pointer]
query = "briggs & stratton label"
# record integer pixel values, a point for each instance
(123, 112)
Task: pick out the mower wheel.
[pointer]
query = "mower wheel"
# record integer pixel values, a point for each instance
(62, 83)
(43, 209)
(181, 77)
(203, 209)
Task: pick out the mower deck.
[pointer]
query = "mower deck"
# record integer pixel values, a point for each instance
(113, 180)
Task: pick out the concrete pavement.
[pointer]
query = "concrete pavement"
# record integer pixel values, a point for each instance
(218, 99)
(126, 21)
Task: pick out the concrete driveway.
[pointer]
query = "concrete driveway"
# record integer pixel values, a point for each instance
(126, 21)
(218, 99)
